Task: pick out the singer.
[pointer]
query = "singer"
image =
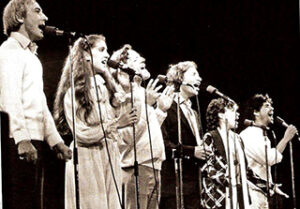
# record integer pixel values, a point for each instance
(97, 188)
(185, 73)
(148, 166)
(22, 97)
(261, 111)
(222, 119)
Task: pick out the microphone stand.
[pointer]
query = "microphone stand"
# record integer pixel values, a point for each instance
(136, 168)
(267, 165)
(201, 136)
(275, 167)
(178, 157)
(292, 174)
(229, 165)
(75, 150)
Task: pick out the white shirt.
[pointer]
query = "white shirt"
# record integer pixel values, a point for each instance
(156, 118)
(254, 142)
(21, 92)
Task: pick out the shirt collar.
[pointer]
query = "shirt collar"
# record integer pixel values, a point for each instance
(24, 41)
(187, 102)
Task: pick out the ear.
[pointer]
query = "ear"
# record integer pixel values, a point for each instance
(20, 19)
(221, 115)
(255, 113)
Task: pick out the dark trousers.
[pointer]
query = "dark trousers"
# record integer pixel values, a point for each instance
(23, 182)
(191, 201)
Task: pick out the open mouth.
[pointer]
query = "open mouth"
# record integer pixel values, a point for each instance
(41, 27)
(104, 62)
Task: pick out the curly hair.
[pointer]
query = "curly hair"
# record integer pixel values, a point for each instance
(82, 70)
(215, 107)
(255, 103)
(176, 72)
(121, 55)
(14, 9)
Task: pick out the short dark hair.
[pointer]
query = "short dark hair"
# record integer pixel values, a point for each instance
(255, 103)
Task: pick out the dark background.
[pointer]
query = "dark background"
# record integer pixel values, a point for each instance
(241, 47)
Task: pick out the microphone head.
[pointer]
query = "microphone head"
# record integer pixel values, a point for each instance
(248, 122)
(51, 30)
(280, 121)
(162, 78)
(210, 89)
(113, 64)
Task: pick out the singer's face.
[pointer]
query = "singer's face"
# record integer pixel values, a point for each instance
(137, 62)
(100, 56)
(192, 78)
(266, 114)
(232, 116)
(34, 20)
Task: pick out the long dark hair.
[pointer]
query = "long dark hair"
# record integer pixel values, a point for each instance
(82, 70)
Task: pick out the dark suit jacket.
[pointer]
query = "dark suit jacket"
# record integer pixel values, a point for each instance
(190, 167)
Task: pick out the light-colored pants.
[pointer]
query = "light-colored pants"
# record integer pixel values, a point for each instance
(149, 193)
(258, 200)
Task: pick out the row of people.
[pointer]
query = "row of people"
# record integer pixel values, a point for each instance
(114, 118)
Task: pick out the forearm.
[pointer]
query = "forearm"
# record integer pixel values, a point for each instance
(282, 145)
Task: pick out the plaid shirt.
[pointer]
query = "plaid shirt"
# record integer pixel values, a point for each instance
(215, 179)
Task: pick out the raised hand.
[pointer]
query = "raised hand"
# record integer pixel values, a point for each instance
(290, 132)
(166, 98)
(152, 92)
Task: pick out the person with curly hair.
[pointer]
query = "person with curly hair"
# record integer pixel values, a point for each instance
(219, 190)
(255, 137)
(186, 80)
(97, 126)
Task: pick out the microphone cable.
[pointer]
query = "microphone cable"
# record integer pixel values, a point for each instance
(101, 122)
(151, 149)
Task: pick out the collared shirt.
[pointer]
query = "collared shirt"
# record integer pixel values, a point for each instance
(156, 118)
(189, 113)
(21, 92)
(254, 142)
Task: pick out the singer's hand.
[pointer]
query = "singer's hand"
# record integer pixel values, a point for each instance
(152, 92)
(201, 153)
(166, 98)
(63, 152)
(27, 151)
(127, 118)
(290, 132)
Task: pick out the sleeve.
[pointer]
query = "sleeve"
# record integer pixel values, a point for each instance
(51, 134)
(255, 148)
(11, 79)
(160, 115)
(85, 133)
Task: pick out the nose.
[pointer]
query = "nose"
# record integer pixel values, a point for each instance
(106, 55)
(44, 17)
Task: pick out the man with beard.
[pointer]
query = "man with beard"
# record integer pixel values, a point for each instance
(261, 111)
(22, 97)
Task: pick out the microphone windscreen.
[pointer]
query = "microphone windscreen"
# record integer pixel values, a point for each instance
(49, 29)
(281, 121)
(211, 89)
(248, 122)
(113, 64)
(162, 78)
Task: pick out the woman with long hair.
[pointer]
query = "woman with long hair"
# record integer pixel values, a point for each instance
(96, 125)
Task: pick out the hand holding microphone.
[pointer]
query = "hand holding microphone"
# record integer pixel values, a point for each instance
(291, 130)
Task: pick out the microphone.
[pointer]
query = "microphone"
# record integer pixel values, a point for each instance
(213, 90)
(51, 30)
(116, 65)
(280, 121)
(248, 122)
